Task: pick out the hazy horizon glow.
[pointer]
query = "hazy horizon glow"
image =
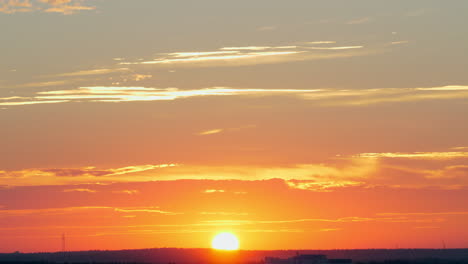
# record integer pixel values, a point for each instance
(140, 124)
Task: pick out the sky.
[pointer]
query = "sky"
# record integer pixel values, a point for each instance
(300, 124)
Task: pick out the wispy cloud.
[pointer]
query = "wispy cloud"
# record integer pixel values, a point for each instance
(45, 84)
(214, 191)
(144, 210)
(130, 192)
(222, 130)
(80, 190)
(91, 72)
(253, 55)
(424, 213)
(224, 213)
(417, 155)
(322, 186)
(418, 170)
(210, 132)
(360, 97)
(66, 176)
(320, 97)
(65, 7)
(129, 94)
(74, 210)
(399, 42)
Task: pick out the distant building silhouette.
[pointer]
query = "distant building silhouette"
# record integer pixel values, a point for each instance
(307, 259)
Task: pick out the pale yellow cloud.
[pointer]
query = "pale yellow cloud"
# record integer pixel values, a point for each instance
(45, 84)
(140, 77)
(214, 191)
(399, 42)
(74, 210)
(336, 48)
(144, 210)
(33, 102)
(80, 190)
(69, 176)
(362, 97)
(92, 72)
(320, 42)
(320, 97)
(129, 94)
(253, 55)
(210, 132)
(65, 7)
(224, 213)
(322, 186)
(444, 170)
(130, 192)
(424, 213)
(417, 155)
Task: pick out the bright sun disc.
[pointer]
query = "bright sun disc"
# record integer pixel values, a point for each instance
(225, 241)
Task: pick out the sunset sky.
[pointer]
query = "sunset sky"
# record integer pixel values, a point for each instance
(302, 124)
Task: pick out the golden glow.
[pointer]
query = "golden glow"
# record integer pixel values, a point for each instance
(225, 241)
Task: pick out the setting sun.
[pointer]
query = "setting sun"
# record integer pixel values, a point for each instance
(225, 241)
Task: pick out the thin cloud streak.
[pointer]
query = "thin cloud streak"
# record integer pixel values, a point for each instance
(91, 72)
(210, 132)
(66, 7)
(320, 97)
(441, 170)
(81, 209)
(254, 55)
(417, 155)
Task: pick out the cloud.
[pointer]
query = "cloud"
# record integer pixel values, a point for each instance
(91, 72)
(399, 42)
(44, 84)
(322, 186)
(336, 48)
(330, 229)
(144, 210)
(92, 171)
(350, 219)
(254, 55)
(361, 97)
(33, 102)
(80, 190)
(130, 192)
(418, 170)
(424, 214)
(130, 94)
(141, 77)
(224, 213)
(221, 130)
(73, 210)
(67, 176)
(214, 191)
(320, 97)
(65, 7)
(210, 132)
(320, 42)
(417, 155)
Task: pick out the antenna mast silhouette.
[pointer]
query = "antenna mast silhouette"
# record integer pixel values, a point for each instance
(63, 242)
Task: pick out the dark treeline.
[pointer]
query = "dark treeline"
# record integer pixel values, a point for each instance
(416, 261)
(209, 256)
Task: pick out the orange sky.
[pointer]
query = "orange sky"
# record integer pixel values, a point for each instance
(313, 125)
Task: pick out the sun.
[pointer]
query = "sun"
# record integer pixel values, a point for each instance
(225, 241)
